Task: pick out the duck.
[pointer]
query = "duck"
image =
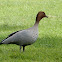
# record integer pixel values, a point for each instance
(25, 37)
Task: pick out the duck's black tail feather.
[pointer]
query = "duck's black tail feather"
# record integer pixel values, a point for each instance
(1, 43)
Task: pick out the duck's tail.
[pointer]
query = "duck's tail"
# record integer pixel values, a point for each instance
(1, 43)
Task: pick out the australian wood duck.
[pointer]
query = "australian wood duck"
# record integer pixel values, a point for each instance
(27, 36)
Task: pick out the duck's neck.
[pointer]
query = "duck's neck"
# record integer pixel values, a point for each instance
(36, 24)
(37, 21)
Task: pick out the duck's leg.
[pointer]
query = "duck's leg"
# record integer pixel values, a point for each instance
(23, 48)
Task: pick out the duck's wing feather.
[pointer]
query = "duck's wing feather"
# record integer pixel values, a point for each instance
(12, 33)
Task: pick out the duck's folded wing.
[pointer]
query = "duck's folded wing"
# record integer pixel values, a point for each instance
(12, 33)
(9, 36)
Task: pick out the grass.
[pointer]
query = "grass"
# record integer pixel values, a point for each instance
(20, 14)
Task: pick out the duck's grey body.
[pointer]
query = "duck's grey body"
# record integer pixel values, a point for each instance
(25, 37)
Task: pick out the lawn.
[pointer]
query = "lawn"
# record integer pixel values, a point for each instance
(21, 14)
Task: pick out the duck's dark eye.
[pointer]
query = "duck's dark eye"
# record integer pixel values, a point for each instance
(43, 13)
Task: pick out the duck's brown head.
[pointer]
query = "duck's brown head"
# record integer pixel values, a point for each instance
(40, 15)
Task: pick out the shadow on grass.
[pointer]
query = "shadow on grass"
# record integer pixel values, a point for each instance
(6, 27)
(48, 41)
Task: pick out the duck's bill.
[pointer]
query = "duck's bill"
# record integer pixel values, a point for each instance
(46, 16)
